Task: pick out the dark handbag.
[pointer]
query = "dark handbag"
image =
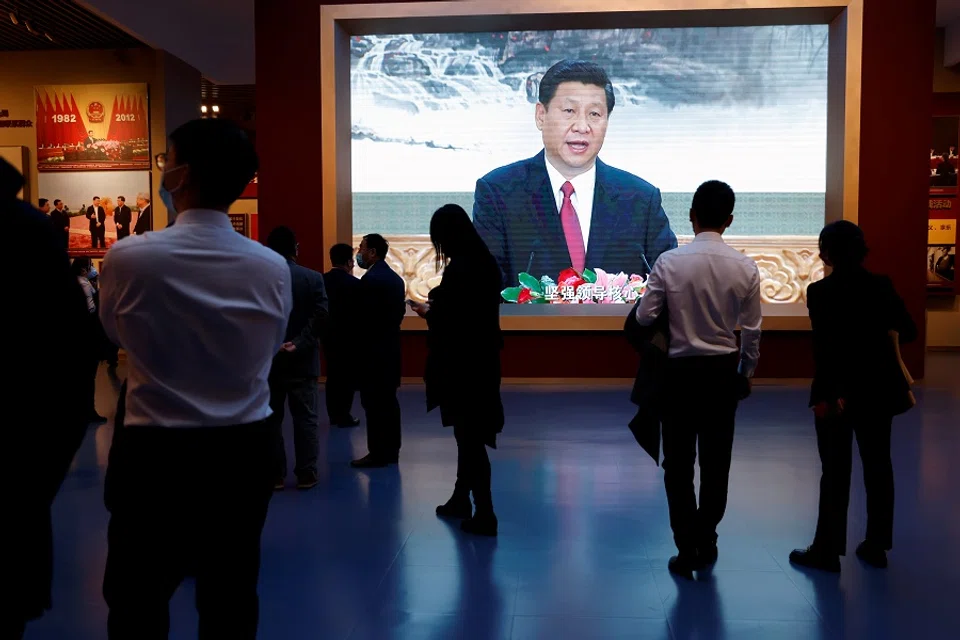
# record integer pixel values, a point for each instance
(903, 400)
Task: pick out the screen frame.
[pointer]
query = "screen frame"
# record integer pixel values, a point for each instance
(339, 22)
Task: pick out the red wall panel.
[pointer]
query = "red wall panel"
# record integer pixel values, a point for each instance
(895, 130)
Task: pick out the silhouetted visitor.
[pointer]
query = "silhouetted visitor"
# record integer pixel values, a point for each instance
(379, 316)
(463, 360)
(201, 311)
(91, 332)
(42, 431)
(295, 374)
(859, 385)
(340, 336)
(708, 289)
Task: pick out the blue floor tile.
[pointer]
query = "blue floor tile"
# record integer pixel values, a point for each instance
(584, 534)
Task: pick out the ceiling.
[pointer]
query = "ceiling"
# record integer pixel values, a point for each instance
(214, 36)
(69, 26)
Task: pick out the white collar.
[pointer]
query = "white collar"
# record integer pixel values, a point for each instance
(709, 236)
(583, 184)
(204, 216)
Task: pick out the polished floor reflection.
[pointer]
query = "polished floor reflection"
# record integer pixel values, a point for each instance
(584, 534)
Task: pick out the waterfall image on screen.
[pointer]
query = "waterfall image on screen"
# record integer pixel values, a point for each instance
(619, 126)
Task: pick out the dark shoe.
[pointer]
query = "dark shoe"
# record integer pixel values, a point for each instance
(707, 556)
(370, 461)
(872, 554)
(306, 482)
(683, 565)
(456, 508)
(813, 558)
(481, 525)
(278, 485)
(346, 422)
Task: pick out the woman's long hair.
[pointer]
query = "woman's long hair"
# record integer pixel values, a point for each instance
(453, 234)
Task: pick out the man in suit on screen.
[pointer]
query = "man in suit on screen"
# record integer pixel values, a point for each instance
(564, 207)
(97, 216)
(122, 216)
(143, 216)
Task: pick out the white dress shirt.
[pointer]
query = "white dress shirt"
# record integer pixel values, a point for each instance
(201, 311)
(708, 288)
(582, 199)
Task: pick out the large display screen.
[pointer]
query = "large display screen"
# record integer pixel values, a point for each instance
(577, 152)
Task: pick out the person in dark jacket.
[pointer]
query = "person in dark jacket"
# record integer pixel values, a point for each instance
(50, 304)
(379, 315)
(294, 376)
(340, 337)
(859, 385)
(463, 360)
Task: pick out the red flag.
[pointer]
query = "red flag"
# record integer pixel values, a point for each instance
(50, 132)
(125, 119)
(58, 118)
(79, 131)
(142, 132)
(41, 123)
(112, 133)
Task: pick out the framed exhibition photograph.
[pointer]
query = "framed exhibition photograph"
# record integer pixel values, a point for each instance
(92, 127)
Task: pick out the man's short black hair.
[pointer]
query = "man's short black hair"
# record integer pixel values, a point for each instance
(341, 254)
(221, 158)
(844, 244)
(96, 198)
(121, 199)
(713, 203)
(575, 71)
(283, 241)
(43, 202)
(378, 244)
(57, 201)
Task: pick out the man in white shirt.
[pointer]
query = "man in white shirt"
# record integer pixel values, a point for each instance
(707, 289)
(201, 311)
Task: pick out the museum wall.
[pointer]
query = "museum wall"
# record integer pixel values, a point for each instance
(893, 186)
(174, 95)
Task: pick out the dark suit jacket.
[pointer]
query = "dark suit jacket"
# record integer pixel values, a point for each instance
(340, 337)
(515, 212)
(306, 324)
(61, 221)
(382, 306)
(143, 220)
(46, 303)
(96, 214)
(463, 347)
(852, 313)
(649, 387)
(122, 216)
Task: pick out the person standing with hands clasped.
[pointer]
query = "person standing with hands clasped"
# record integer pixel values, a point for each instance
(463, 360)
(859, 385)
(201, 311)
(706, 288)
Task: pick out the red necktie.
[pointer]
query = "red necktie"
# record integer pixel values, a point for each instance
(571, 230)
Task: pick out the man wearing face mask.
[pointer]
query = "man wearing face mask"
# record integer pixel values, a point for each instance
(382, 305)
(201, 311)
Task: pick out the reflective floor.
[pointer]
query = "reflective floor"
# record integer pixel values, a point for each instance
(584, 534)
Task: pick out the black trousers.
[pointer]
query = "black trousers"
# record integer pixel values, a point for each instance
(303, 395)
(340, 389)
(473, 468)
(383, 419)
(98, 237)
(186, 502)
(835, 443)
(700, 416)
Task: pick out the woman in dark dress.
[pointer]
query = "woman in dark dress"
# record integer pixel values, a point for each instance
(463, 360)
(859, 385)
